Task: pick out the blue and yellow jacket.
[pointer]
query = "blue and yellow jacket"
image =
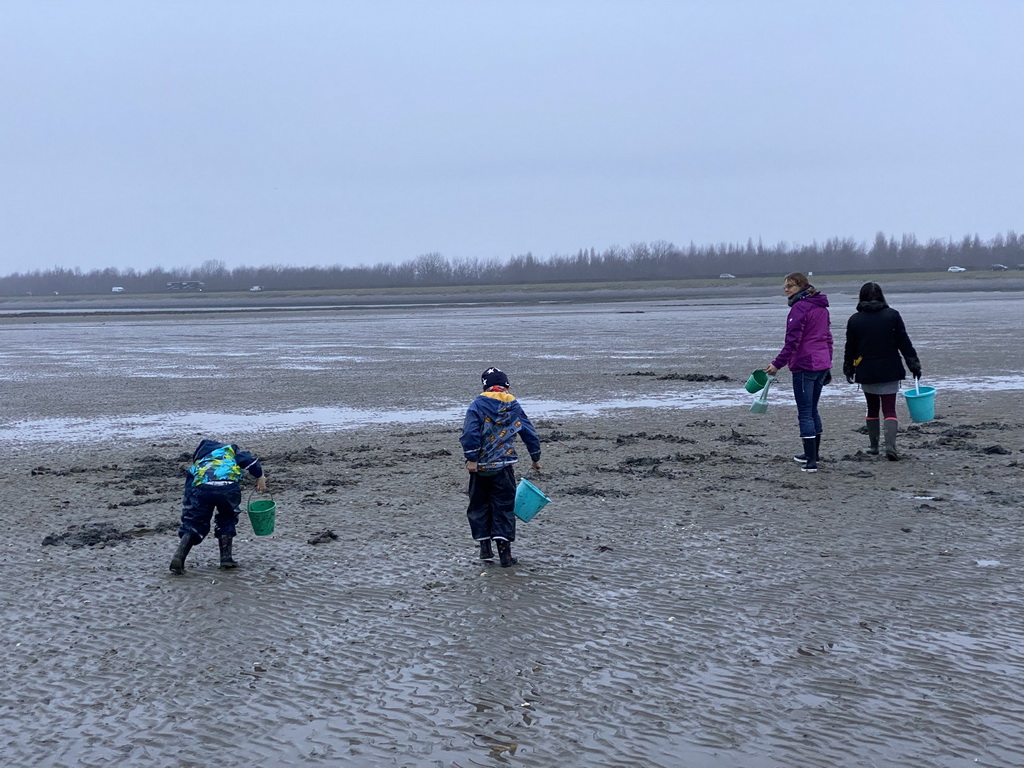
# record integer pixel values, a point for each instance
(488, 434)
(221, 463)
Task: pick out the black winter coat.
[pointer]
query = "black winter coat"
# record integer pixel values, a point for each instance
(875, 338)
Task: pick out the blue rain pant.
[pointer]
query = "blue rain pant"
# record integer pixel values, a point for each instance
(491, 501)
(199, 504)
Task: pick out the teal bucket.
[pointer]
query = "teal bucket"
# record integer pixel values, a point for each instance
(921, 403)
(529, 500)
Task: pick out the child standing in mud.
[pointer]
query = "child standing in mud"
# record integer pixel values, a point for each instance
(492, 422)
(212, 485)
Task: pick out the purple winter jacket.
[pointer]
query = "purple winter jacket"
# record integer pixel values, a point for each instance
(808, 344)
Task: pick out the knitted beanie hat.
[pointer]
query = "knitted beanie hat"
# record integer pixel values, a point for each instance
(493, 377)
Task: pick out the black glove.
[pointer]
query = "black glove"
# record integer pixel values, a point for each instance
(915, 367)
(848, 371)
(828, 379)
(851, 380)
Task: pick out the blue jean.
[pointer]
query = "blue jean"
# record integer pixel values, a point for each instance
(807, 390)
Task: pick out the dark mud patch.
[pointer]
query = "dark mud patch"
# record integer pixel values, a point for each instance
(636, 437)
(307, 455)
(997, 450)
(93, 534)
(654, 463)
(735, 438)
(587, 490)
(76, 470)
(137, 502)
(699, 378)
(561, 437)
(322, 537)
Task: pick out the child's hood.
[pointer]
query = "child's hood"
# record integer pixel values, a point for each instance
(495, 402)
(206, 448)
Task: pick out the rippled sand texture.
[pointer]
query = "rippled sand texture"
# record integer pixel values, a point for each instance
(689, 598)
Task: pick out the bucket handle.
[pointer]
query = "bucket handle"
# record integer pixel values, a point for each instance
(248, 501)
(767, 386)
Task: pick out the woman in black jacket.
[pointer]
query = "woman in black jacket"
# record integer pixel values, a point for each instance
(875, 338)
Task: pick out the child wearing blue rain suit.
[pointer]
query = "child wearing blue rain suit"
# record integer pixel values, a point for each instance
(492, 422)
(212, 485)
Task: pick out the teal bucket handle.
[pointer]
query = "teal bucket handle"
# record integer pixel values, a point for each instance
(760, 404)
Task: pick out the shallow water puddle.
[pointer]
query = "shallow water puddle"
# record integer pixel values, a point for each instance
(318, 419)
(335, 418)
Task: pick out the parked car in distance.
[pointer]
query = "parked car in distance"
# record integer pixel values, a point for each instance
(999, 267)
(256, 288)
(726, 276)
(956, 269)
(117, 289)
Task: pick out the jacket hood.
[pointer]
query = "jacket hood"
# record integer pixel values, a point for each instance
(493, 402)
(817, 300)
(206, 448)
(871, 306)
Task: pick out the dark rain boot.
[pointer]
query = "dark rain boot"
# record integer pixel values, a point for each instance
(505, 553)
(185, 545)
(226, 561)
(811, 454)
(873, 431)
(486, 553)
(891, 428)
(802, 458)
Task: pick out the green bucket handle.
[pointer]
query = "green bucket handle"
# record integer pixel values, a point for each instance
(249, 500)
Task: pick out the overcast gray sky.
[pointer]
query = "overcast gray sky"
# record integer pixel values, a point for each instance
(141, 134)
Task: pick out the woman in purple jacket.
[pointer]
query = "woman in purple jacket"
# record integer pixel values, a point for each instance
(808, 353)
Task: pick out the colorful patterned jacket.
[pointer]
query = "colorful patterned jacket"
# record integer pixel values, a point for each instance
(221, 463)
(488, 434)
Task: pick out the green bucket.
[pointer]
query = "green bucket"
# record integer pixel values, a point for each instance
(529, 500)
(756, 382)
(261, 516)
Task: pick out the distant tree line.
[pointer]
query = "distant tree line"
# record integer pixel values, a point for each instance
(640, 261)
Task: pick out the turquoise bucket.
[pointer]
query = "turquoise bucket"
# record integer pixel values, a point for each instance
(529, 500)
(921, 403)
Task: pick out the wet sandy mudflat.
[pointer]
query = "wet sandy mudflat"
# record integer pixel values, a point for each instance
(689, 598)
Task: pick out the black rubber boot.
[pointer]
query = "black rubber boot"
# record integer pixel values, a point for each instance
(817, 448)
(873, 431)
(226, 561)
(811, 454)
(185, 545)
(891, 428)
(505, 553)
(486, 553)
